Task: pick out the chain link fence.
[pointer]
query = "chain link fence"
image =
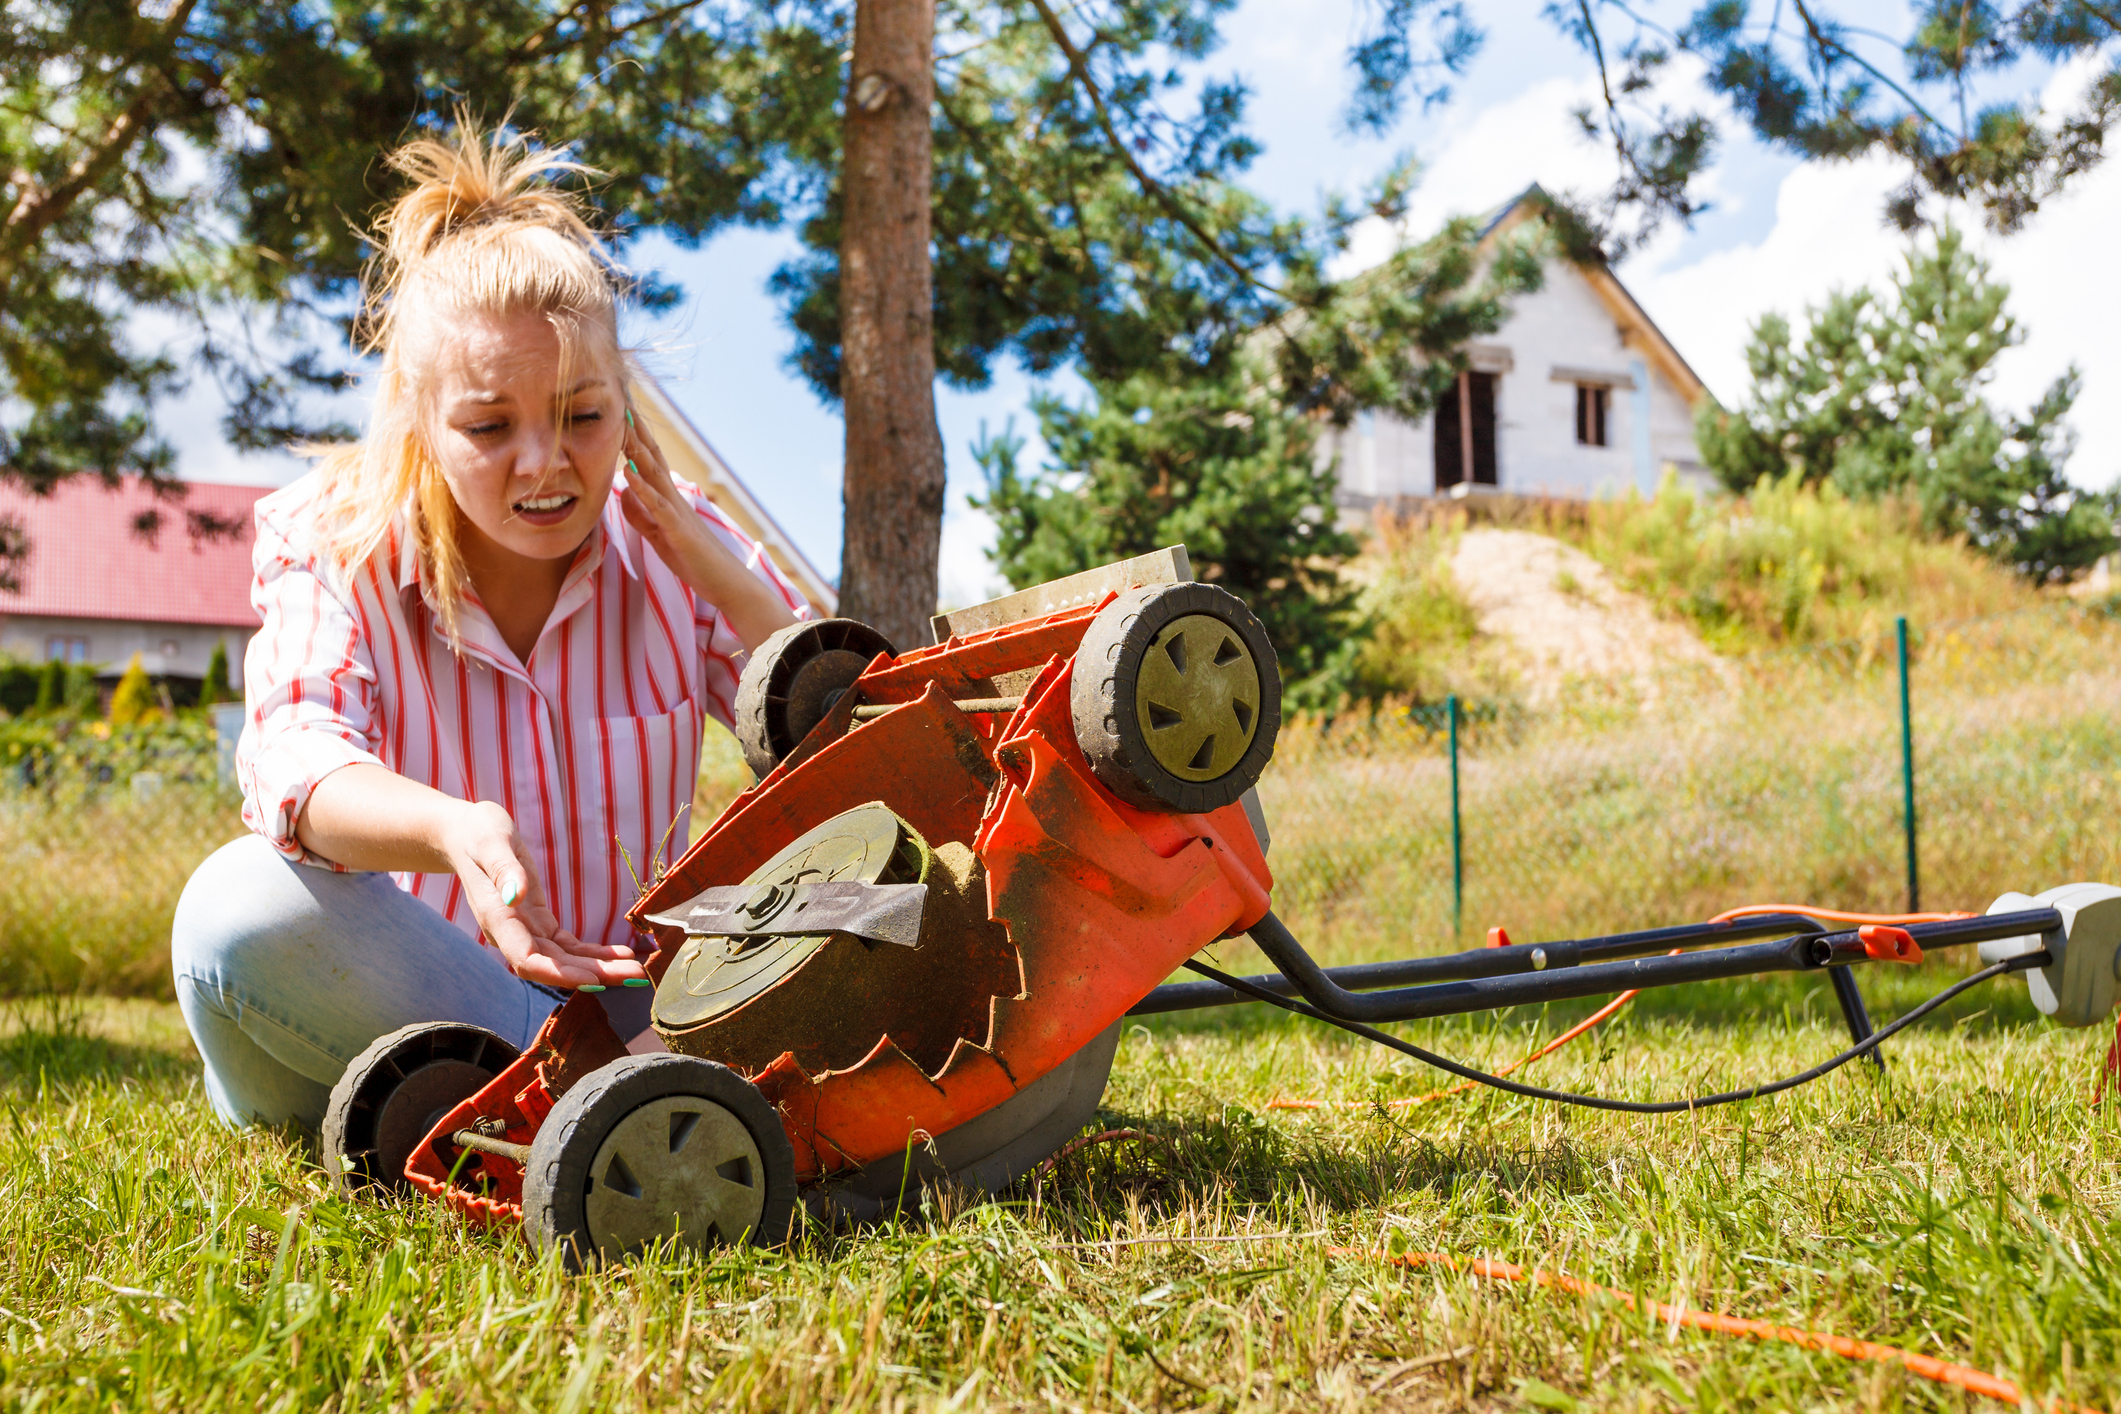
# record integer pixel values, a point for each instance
(1598, 807)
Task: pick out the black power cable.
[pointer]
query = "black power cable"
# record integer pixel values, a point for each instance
(1597, 1102)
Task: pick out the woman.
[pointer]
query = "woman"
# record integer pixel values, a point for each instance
(493, 631)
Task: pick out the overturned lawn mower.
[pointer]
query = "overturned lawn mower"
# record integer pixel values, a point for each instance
(905, 954)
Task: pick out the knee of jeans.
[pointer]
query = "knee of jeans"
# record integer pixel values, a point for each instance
(236, 900)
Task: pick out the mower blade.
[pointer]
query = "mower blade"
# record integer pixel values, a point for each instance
(882, 913)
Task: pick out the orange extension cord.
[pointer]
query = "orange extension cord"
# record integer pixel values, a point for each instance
(1927, 1366)
(1595, 1018)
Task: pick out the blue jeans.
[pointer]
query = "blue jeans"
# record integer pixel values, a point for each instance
(285, 973)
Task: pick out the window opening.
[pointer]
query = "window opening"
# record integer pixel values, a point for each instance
(67, 650)
(1592, 402)
(1470, 404)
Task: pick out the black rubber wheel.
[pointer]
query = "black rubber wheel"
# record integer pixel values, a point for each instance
(396, 1090)
(1176, 697)
(656, 1147)
(792, 680)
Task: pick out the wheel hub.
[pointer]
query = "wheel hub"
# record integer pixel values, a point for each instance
(679, 1165)
(1198, 698)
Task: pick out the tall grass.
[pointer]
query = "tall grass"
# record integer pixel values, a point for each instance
(1762, 778)
(1784, 564)
(1775, 778)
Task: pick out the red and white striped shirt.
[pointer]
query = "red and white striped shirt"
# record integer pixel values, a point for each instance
(592, 746)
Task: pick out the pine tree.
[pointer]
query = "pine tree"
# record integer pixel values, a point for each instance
(1217, 463)
(214, 688)
(1885, 397)
(51, 686)
(133, 704)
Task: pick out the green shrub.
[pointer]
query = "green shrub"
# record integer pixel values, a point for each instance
(215, 687)
(1789, 563)
(51, 686)
(18, 685)
(1423, 639)
(134, 701)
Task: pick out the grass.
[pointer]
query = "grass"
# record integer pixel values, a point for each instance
(1774, 778)
(1965, 1206)
(1784, 564)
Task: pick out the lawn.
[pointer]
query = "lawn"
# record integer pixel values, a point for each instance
(1966, 1204)
(1963, 1205)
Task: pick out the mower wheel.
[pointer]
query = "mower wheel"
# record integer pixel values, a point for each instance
(1176, 697)
(396, 1090)
(793, 679)
(658, 1147)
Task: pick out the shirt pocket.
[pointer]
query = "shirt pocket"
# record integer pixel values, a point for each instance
(635, 778)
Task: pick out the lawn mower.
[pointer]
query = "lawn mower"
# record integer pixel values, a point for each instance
(903, 957)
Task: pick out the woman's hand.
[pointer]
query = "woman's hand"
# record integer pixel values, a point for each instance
(491, 861)
(655, 507)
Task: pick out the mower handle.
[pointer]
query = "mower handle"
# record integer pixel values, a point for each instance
(1489, 979)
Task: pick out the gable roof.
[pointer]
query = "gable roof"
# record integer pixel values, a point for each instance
(86, 563)
(1641, 330)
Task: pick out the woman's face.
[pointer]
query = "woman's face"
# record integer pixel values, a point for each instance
(530, 463)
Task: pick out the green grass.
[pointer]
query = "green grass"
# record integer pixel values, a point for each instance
(1784, 564)
(1965, 1207)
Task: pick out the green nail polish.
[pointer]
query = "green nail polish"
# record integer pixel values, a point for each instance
(508, 892)
(629, 417)
(636, 981)
(631, 469)
(590, 987)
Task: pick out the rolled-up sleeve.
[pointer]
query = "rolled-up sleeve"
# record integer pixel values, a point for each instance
(310, 686)
(720, 649)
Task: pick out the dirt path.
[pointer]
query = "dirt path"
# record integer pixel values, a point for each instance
(1562, 612)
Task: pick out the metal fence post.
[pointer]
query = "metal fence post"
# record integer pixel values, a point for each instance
(1458, 858)
(1907, 774)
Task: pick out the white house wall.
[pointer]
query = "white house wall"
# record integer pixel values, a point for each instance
(175, 650)
(1567, 325)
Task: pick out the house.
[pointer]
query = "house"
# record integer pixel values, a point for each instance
(95, 592)
(1579, 394)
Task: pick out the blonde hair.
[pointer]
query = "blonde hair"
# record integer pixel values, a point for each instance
(481, 231)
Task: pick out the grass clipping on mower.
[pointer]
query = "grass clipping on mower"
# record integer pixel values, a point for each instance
(835, 1003)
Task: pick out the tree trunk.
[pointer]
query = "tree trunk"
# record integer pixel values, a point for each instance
(894, 472)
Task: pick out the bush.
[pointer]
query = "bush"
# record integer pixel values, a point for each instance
(134, 702)
(215, 687)
(77, 760)
(18, 686)
(1789, 563)
(1422, 639)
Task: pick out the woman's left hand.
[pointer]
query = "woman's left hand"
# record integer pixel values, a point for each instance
(666, 520)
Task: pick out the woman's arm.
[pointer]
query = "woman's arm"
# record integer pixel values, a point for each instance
(366, 816)
(655, 507)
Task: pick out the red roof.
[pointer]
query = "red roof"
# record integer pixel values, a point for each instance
(86, 562)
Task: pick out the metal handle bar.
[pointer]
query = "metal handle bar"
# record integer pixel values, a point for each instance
(1484, 962)
(1565, 978)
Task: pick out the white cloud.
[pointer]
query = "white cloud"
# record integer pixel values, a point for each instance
(967, 576)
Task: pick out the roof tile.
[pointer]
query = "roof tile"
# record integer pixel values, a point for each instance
(85, 562)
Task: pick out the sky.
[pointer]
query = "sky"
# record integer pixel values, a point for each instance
(1780, 235)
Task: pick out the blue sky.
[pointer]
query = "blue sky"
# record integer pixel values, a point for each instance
(1778, 236)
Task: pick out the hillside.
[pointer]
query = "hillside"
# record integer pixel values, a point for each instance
(1529, 594)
